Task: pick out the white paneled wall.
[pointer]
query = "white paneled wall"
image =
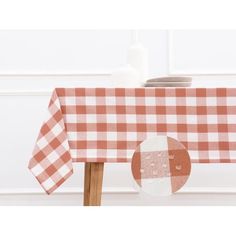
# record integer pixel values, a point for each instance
(32, 63)
(202, 52)
(73, 52)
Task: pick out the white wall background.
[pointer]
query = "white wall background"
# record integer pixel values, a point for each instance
(32, 63)
(73, 52)
(202, 52)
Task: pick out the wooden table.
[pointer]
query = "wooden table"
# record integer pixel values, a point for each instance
(93, 176)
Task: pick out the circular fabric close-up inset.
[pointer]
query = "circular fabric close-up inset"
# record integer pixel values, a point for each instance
(161, 165)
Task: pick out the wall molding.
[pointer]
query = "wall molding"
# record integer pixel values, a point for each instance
(40, 74)
(43, 84)
(68, 190)
(117, 190)
(25, 93)
(198, 81)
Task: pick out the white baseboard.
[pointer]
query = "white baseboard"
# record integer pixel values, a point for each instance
(39, 191)
(117, 190)
(121, 197)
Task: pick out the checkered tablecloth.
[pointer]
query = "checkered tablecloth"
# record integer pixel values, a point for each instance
(107, 124)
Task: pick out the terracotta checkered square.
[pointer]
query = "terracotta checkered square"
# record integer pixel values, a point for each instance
(107, 124)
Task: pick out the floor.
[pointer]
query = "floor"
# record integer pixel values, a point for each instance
(120, 199)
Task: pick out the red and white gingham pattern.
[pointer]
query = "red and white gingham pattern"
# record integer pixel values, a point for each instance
(51, 163)
(107, 124)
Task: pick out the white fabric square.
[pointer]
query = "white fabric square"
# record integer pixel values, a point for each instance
(157, 143)
(48, 183)
(130, 101)
(232, 154)
(72, 136)
(191, 119)
(211, 101)
(53, 156)
(131, 136)
(42, 142)
(91, 153)
(130, 118)
(112, 153)
(232, 137)
(56, 130)
(110, 101)
(171, 119)
(191, 101)
(90, 100)
(212, 119)
(65, 145)
(150, 101)
(231, 119)
(213, 155)
(74, 153)
(193, 154)
(64, 170)
(69, 101)
(111, 136)
(192, 137)
(71, 118)
(37, 170)
(151, 119)
(231, 101)
(112, 118)
(170, 101)
(91, 118)
(92, 136)
(212, 137)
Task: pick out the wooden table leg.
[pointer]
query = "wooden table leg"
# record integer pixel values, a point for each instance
(93, 183)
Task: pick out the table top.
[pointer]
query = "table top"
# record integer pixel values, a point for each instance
(107, 124)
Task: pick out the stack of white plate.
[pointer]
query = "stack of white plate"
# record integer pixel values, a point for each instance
(169, 81)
